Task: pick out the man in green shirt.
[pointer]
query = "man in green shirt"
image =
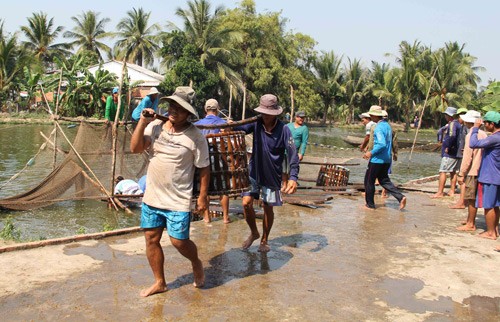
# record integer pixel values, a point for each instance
(300, 133)
(111, 106)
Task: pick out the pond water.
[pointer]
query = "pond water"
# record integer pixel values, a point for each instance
(20, 143)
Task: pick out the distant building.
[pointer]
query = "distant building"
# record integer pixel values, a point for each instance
(142, 78)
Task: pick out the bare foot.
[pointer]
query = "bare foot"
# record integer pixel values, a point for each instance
(264, 247)
(497, 249)
(154, 289)
(199, 275)
(466, 227)
(365, 207)
(247, 243)
(227, 220)
(487, 235)
(457, 206)
(451, 193)
(438, 195)
(206, 219)
(402, 204)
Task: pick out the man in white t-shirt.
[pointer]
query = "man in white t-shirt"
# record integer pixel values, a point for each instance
(176, 148)
(368, 123)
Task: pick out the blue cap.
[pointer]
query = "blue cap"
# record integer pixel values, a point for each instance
(115, 90)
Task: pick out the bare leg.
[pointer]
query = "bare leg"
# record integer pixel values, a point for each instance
(470, 224)
(188, 249)
(250, 219)
(224, 201)
(156, 259)
(206, 212)
(491, 224)
(267, 224)
(453, 183)
(460, 204)
(442, 181)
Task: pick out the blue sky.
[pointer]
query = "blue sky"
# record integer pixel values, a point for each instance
(361, 29)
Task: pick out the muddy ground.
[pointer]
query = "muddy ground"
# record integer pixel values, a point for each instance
(336, 263)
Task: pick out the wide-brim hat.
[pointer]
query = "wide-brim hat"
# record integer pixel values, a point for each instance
(375, 110)
(269, 105)
(451, 111)
(364, 116)
(153, 90)
(471, 116)
(184, 96)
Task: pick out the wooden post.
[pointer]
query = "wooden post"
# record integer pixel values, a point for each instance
(115, 129)
(293, 105)
(54, 159)
(230, 100)
(244, 102)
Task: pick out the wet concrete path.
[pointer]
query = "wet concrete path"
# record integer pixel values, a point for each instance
(337, 263)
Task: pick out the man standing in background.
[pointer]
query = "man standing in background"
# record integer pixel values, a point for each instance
(300, 133)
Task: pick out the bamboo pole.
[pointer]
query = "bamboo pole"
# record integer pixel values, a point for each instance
(244, 102)
(293, 105)
(230, 100)
(421, 115)
(54, 159)
(114, 129)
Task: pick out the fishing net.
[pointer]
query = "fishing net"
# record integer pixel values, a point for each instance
(84, 174)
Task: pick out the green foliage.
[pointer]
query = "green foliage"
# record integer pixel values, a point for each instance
(9, 231)
(491, 97)
(108, 227)
(81, 231)
(189, 69)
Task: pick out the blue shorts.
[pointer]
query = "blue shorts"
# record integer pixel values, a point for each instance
(176, 222)
(270, 197)
(488, 196)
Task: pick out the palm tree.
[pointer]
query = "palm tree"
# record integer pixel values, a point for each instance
(41, 35)
(411, 76)
(87, 33)
(137, 39)
(355, 86)
(456, 80)
(329, 77)
(12, 61)
(203, 30)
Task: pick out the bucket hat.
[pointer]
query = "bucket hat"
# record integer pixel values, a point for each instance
(184, 96)
(269, 105)
(364, 116)
(471, 116)
(450, 111)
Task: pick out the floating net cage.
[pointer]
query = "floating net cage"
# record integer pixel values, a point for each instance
(81, 175)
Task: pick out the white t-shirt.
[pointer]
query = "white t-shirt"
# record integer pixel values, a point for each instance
(368, 127)
(173, 158)
(127, 187)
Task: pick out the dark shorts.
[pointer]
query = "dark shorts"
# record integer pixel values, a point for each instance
(269, 197)
(470, 187)
(176, 222)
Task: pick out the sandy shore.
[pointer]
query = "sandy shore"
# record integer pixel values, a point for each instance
(337, 263)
